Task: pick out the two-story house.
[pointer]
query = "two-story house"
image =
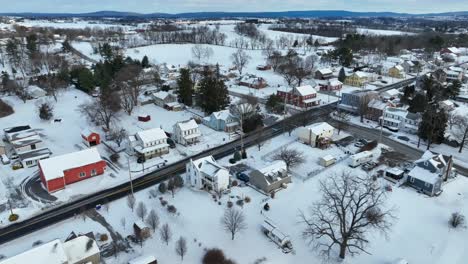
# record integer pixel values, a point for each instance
(396, 72)
(187, 132)
(354, 100)
(429, 173)
(207, 173)
(311, 135)
(303, 96)
(222, 121)
(150, 143)
(357, 79)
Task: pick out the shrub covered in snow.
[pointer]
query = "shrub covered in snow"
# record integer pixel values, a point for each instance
(457, 220)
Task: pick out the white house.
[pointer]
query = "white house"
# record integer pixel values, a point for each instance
(207, 173)
(311, 134)
(35, 92)
(187, 132)
(151, 143)
(396, 119)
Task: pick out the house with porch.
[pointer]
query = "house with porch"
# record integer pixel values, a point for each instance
(206, 173)
(222, 121)
(331, 85)
(271, 178)
(396, 71)
(302, 96)
(429, 173)
(315, 134)
(163, 98)
(187, 132)
(352, 101)
(150, 143)
(323, 74)
(357, 79)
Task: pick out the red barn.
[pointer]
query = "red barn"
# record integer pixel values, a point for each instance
(303, 96)
(58, 172)
(90, 138)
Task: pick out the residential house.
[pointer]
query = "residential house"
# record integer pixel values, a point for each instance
(80, 250)
(390, 94)
(31, 158)
(323, 74)
(150, 143)
(58, 172)
(440, 75)
(454, 75)
(90, 138)
(429, 173)
(207, 173)
(375, 109)
(253, 81)
(451, 50)
(396, 72)
(271, 178)
(146, 259)
(331, 85)
(163, 98)
(357, 79)
(222, 121)
(396, 119)
(24, 140)
(303, 96)
(187, 132)
(447, 105)
(315, 134)
(408, 66)
(353, 101)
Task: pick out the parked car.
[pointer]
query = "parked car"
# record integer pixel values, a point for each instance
(5, 159)
(243, 177)
(359, 144)
(368, 166)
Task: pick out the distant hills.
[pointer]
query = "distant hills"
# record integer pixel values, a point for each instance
(284, 14)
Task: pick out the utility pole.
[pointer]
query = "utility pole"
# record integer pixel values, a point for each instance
(130, 174)
(382, 123)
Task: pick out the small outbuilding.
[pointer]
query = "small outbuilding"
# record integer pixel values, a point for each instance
(146, 259)
(141, 228)
(90, 137)
(327, 160)
(144, 118)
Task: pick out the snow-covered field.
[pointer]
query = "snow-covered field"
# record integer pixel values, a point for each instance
(198, 220)
(381, 32)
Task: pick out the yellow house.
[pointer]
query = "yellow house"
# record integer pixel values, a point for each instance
(396, 72)
(356, 79)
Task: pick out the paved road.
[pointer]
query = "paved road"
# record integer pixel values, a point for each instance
(65, 211)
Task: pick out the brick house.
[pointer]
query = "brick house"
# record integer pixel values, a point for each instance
(58, 172)
(303, 96)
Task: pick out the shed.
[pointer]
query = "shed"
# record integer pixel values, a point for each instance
(327, 160)
(394, 173)
(173, 106)
(142, 228)
(90, 137)
(35, 92)
(144, 118)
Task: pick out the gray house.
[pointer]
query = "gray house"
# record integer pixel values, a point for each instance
(162, 98)
(271, 178)
(429, 172)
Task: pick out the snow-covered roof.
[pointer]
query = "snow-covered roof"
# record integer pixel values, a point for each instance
(143, 260)
(399, 67)
(325, 71)
(334, 82)
(54, 167)
(209, 166)
(306, 90)
(80, 248)
(161, 95)
(396, 111)
(35, 91)
(87, 132)
(47, 253)
(424, 175)
(187, 125)
(453, 50)
(274, 168)
(362, 155)
(319, 128)
(328, 158)
(222, 115)
(377, 104)
(151, 135)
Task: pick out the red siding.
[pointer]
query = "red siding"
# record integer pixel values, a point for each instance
(92, 137)
(73, 175)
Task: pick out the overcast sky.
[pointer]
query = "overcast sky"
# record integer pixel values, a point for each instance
(178, 6)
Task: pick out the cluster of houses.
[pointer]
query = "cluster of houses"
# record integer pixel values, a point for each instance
(26, 144)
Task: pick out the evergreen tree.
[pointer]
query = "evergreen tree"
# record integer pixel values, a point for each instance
(452, 90)
(185, 87)
(31, 44)
(316, 44)
(274, 104)
(418, 104)
(213, 94)
(85, 80)
(106, 51)
(433, 125)
(342, 75)
(145, 62)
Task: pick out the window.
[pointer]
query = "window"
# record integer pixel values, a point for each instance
(29, 162)
(93, 172)
(412, 180)
(427, 185)
(82, 174)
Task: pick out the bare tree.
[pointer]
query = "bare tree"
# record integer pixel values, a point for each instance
(343, 118)
(141, 210)
(200, 53)
(118, 135)
(460, 130)
(103, 110)
(153, 220)
(363, 106)
(457, 220)
(240, 59)
(350, 208)
(269, 49)
(131, 201)
(129, 79)
(291, 157)
(166, 233)
(181, 247)
(233, 221)
(275, 59)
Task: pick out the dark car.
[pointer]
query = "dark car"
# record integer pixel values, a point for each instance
(243, 177)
